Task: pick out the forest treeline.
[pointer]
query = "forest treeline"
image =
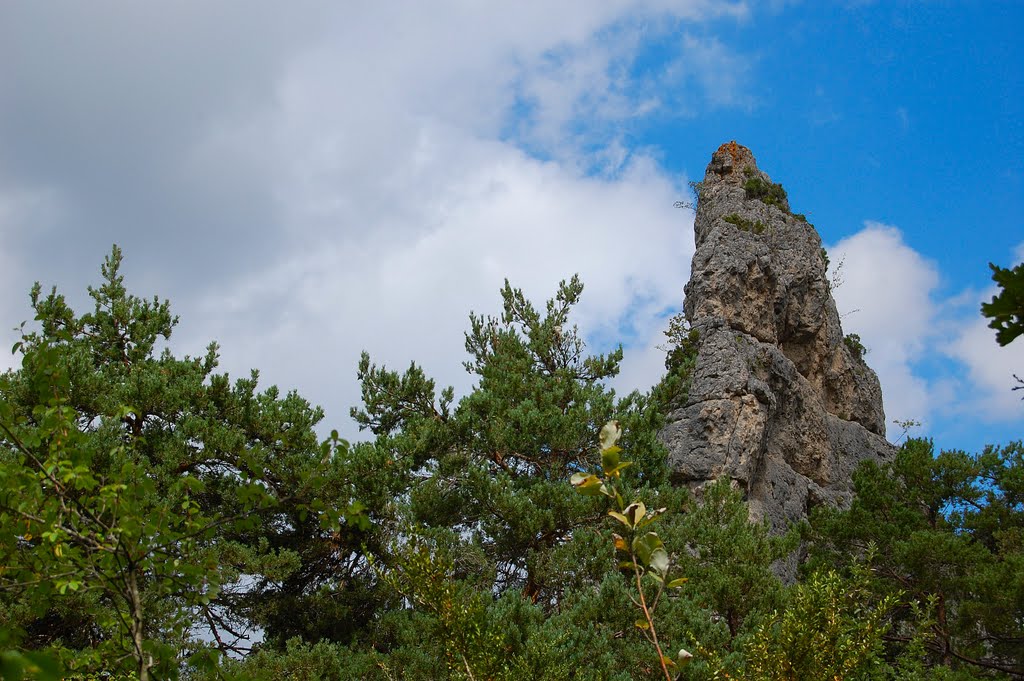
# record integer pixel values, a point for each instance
(161, 520)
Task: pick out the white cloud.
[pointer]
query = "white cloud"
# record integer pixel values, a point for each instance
(307, 184)
(497, 214)
(362, 176)
(988, 396)
(935, 357)
(722, 72)
(990, 367)
(643, 363)
(885, 296)
(408, 205)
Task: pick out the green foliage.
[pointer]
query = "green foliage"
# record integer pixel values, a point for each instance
(425, 575)
(729, 562)
(644, 552)
(1006, 310)
(829, 629)
(145, 499)
(136, 489)
(947, 530)
(769, 193)
(856, 348)
(680, 361)
(730, 559)
(301, 661)
(485, 480)
(17, 665)
(824, 258)
(493, 468)
(487, 495)
(72, 531)
(745, 225)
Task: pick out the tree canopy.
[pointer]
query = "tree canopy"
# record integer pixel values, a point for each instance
(159, 519)
(1006, 309)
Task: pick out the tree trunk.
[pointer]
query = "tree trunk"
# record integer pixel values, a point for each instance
(943, 626)
(137, 626)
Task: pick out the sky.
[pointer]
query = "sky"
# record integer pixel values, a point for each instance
(307, 183)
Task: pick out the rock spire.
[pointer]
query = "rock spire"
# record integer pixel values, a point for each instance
(780, 401)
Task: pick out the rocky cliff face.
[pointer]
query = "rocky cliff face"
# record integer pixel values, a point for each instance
(779, 402)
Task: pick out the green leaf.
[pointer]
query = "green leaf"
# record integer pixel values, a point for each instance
(642, 550)
(1006, 310)
(651, 517)
(12, 665)
(126, 410)
(642, 624)
(579, 478)
(609, 460)
(635, 512)
(677, 582)
(586, 484)
(615, 472)
(47, 667)
(205, 660)
(644, 547)
(621, 518)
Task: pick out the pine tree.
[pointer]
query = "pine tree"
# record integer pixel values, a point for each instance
(945, 533)
(493, 470)
(136, 489)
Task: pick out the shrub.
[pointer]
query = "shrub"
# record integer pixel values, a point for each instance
(770, 193)
(752, 226)
(856, 348)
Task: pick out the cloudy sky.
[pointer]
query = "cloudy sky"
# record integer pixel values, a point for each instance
(309, 182)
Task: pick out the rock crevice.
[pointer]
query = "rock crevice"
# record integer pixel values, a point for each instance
(778, 401)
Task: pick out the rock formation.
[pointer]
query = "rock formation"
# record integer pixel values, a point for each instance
(779, 402)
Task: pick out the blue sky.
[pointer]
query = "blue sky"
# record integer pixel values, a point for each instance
(307, 184)
(906, 112)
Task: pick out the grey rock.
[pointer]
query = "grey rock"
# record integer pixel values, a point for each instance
(778, 402)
